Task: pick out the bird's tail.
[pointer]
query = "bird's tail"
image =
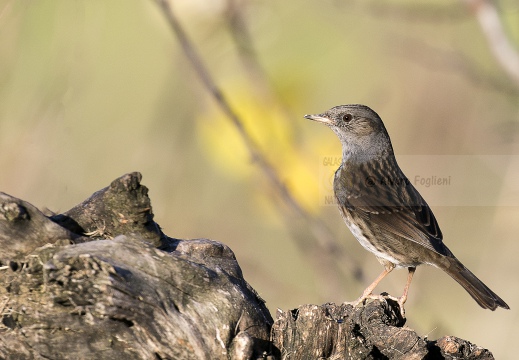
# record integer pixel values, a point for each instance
(485, 297)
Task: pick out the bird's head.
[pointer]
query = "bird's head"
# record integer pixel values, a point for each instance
(360, 129)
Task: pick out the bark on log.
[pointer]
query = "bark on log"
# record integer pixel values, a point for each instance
(101, 281)
(120, 298)
(374, 331)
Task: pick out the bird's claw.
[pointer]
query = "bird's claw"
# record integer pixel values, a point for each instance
(382, 297)
(399, 300)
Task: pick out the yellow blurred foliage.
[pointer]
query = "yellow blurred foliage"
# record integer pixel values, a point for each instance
(270, 129)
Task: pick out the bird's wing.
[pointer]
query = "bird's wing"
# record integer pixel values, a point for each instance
(390, 202)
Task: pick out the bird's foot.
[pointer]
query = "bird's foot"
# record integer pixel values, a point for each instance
(362, 300)
(382, 297)
(399, 300)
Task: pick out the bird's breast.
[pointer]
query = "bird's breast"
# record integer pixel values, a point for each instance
(364, 236)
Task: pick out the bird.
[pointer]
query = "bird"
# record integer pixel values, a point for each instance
(384, 211)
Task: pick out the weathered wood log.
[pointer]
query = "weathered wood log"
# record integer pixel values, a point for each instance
(120, 298)
(102, 281)
(374, 331)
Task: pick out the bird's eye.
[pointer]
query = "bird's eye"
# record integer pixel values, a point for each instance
(347, 118)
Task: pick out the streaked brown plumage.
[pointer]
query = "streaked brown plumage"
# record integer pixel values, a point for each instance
(382, 208)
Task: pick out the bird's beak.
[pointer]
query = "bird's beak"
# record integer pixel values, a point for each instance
(320, 118)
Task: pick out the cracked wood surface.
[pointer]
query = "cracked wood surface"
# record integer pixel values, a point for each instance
(70, 290)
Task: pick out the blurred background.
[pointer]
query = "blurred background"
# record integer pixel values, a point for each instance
(91, 90)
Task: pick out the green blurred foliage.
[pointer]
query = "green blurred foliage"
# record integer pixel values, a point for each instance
(90, 90)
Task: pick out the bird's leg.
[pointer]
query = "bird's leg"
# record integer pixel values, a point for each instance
(402, 299)
(367, 293)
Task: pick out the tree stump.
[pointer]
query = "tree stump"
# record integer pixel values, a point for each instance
(374, 331)
(102, 281)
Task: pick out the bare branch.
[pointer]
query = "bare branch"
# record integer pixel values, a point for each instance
(324, 242)
(504, 52)
(430, 56)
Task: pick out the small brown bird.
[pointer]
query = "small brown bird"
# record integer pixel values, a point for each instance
(384, 211)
